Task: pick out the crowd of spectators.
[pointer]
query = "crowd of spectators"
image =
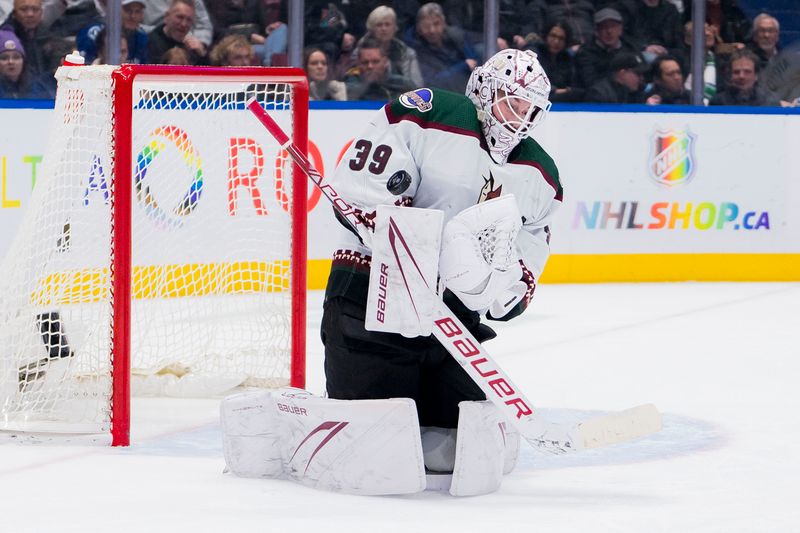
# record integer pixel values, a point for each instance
(609, 51)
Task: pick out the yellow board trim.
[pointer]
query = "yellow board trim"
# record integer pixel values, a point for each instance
(244, 277)
(165, 281)
(671, 267)
(604, 268)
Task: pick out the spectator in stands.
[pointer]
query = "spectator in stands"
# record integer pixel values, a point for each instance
(713, 77)
(174, 32)
(101, 58)
(346, 59)
(371, 79)
(382, 26)
(593, 60)
(15, 80)
(176, 56)
(654, 24)
(519, 21)
(325, 27)
(727, 18)
(559, 64)
(320, 84)
(132, 30)
(25, 22)
(766, 34)
(445, 57)
(232, 51)
(356, 13)
(578, 16)
(89, 41)
(65, 18)
(243, 17)
(271, 47)
(623, 84)
(667, 88)
(743, 84)
(202, 30)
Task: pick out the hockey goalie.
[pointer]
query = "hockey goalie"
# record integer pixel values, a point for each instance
(463, 177)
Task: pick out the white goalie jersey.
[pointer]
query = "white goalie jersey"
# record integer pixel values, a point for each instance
(426, 150)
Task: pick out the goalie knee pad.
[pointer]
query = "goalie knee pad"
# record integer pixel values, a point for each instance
(356, 446)
(439, 448)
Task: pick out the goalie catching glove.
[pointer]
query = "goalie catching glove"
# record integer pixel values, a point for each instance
(479, 261)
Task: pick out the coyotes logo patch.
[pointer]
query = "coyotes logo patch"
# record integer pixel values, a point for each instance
(488, 191)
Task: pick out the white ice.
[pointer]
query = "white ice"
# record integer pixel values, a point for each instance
(721, 361)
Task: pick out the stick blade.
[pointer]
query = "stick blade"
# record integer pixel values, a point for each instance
(618, 427)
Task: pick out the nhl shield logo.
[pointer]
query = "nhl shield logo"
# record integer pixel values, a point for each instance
(672, 160)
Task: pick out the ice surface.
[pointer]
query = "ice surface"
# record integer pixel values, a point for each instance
(721, 361)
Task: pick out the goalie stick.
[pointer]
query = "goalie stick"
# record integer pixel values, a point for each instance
(470, 354)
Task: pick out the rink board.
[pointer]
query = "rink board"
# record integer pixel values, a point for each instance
(648, 196)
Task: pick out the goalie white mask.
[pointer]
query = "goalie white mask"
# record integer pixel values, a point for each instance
(511, 93)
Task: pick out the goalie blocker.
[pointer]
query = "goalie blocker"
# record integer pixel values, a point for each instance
(369, 447)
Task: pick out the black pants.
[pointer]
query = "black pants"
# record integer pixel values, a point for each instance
(361, 365)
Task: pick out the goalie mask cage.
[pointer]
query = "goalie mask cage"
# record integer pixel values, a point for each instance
(163, 248)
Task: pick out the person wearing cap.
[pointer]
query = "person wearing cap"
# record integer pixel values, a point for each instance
(593, 60)
(134, 35)
(15, 80)
(623, 84)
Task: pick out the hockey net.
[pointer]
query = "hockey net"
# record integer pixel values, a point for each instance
(163, 249)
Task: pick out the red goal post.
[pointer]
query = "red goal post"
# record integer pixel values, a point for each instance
(204, 239)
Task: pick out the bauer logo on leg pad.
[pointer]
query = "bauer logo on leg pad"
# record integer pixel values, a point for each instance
(291, 409)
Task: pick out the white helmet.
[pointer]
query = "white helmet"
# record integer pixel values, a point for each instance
(514, 82)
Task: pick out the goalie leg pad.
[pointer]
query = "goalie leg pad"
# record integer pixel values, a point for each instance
(369, 447)
(485, 449)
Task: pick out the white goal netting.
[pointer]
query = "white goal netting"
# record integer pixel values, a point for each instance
(210, 305)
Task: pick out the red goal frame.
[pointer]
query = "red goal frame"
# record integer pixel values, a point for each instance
(120, 270)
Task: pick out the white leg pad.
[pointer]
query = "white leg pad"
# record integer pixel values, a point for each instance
(484, 449)
(367, 447)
